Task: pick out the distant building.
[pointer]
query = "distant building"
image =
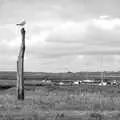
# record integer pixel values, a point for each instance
(88, 81)
(61, 83)
(77, 82)
(102, 84)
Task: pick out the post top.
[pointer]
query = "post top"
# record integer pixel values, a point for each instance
(23, 30)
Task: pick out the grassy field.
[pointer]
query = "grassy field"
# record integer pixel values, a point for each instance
(82, 102)
(50, 102)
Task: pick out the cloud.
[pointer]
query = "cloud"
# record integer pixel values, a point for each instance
(56, 10)
(89, 37)
(60, 34)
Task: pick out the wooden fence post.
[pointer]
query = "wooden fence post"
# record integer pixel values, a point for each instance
(20, 68)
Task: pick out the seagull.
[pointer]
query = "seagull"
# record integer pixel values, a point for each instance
(22, 23)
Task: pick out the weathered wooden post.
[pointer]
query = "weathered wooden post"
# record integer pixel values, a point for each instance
(20, 68)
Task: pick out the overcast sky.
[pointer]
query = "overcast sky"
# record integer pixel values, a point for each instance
(62, 35)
